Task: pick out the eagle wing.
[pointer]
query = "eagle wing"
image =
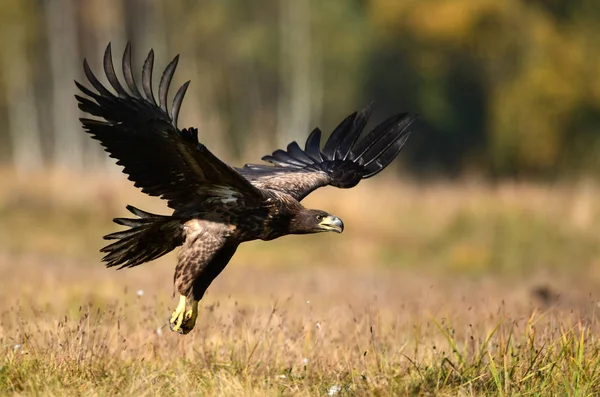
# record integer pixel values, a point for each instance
(143, 136)
(343, 162)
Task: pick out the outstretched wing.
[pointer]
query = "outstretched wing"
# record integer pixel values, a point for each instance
(343, 162)
(143, 136)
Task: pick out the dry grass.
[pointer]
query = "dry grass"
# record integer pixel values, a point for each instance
(433, 289)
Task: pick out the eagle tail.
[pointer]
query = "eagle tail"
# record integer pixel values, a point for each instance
(149, 236)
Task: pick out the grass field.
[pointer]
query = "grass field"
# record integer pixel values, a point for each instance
(433, 289)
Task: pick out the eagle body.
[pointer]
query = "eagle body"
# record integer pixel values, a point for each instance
(216, 207)
(210, 240)
(212, 237)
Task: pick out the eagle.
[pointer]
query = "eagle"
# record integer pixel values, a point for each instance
(216, 207)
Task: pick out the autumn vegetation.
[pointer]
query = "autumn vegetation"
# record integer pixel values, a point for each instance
(470, 267)
(490, 291)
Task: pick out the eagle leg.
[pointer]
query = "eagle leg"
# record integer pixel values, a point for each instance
(184, 317)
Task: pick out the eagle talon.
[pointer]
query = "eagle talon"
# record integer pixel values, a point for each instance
(184, 317)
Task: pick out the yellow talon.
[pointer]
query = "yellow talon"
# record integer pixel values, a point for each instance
(184, 317)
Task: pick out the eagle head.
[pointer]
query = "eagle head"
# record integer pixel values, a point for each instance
(315, 221)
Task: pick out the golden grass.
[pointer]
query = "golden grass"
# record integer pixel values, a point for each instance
(445, 289)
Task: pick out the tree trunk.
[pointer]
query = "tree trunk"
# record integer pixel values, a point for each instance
(21, 110)
(294, 113)
(62, 40)
(104, 22)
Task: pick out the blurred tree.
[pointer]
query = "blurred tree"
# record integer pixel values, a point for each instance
(100, 22)
(498, 83)
(294, 113)
(61, 23)
(505, 88)
(17, 25)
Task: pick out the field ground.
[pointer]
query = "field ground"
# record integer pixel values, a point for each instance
(434, 289)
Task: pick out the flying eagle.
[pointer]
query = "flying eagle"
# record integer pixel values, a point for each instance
(216, 207)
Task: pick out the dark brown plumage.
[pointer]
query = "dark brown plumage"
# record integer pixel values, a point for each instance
(216, 207)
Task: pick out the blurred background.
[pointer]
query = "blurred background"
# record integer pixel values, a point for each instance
(485, 229)
(497, 182)
(489, 216)
(504, 88)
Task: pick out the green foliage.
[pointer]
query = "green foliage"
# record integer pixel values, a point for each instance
(505, 88)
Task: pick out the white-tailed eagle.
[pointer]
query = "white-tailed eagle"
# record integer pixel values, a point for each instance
(216, 207)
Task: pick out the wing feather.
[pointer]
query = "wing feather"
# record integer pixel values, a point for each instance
(165, 82)
(158, 157)
(344, 161)
(385, 158)
(294, 150)
(128, 73)
(110, 73)
(336, 137)
(348, 141)
(147, 77)
(177, 101)
(312, 147)
(284, 159)
(94, 81)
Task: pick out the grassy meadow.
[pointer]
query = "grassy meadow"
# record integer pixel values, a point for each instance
(434, 289)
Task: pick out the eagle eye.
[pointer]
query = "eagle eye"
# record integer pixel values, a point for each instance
(320, 217)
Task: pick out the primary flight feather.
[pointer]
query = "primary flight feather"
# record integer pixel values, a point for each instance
(216, 207)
